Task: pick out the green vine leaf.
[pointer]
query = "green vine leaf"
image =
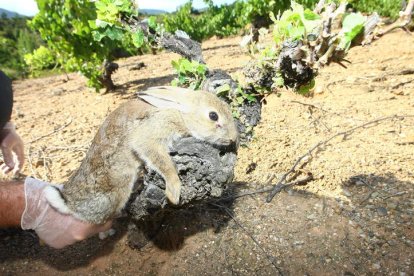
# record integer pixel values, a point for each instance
(352, 25)
(138, 39)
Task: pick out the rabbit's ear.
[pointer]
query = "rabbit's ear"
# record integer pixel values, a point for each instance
(165, 97)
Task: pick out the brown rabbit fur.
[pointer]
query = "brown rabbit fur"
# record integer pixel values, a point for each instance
(140, 133)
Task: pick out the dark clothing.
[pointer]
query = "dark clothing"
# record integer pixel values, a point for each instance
(6, 99)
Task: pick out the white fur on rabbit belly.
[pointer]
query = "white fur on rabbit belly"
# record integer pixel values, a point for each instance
(56, 200)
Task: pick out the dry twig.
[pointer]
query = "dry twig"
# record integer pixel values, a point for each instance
(309, 105)
(402, 84)
(402, 22)
(29, 157)
(323, 143)
(52, 132)
(280, 186)
(315, 120)
(367, 197)
(266, 189)
(48, 172)
(396, 194)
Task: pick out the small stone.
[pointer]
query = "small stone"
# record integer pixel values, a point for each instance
(382, 211)
(297, 243)
(39, 163)
(346, 193)
(57, 91)
(359, 183)
(319, 89)
(350, 79)
(376, 266)
(398, 92)
(392, 205)
(371, 88)
(392, 242)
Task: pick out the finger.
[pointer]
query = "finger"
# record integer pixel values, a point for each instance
(7, 156)
(19, 151)
(84, 230)
(4, 168)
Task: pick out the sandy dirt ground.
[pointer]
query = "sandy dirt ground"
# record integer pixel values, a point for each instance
(355, 218)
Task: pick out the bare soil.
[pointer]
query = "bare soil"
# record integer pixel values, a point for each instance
(356, 218)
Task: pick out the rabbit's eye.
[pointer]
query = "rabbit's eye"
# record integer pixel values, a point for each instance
(213, 116)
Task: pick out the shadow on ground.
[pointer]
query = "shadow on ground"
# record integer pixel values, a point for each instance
(220, 47)
(145, 83)
(168, 229)
(167, 232)
(17, 244)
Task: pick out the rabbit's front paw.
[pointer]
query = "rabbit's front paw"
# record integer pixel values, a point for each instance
(172, 192)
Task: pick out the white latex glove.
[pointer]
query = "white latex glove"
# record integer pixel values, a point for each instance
(12, 149)
(55, 229)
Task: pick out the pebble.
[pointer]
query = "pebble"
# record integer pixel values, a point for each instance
(359, 183)
(345, 192)
(392, 242)
(319, 90)
(57, 91)
(392, 205)
(39, 163)
(296, 243)
(376, 266)
(382, 211)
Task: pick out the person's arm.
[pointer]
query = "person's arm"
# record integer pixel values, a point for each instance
(6, 99)
(24, 205)
(10, 142)
(12, 203)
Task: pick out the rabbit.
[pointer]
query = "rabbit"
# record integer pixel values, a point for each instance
(139, 133)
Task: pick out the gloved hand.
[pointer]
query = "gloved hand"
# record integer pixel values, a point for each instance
(55, 229)
(12, 149)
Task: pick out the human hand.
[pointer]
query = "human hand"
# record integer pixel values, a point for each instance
(12, 149)
(55, 229)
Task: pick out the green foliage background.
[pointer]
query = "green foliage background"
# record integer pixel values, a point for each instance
(388, 8)
(77, 41)
(16, 40)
